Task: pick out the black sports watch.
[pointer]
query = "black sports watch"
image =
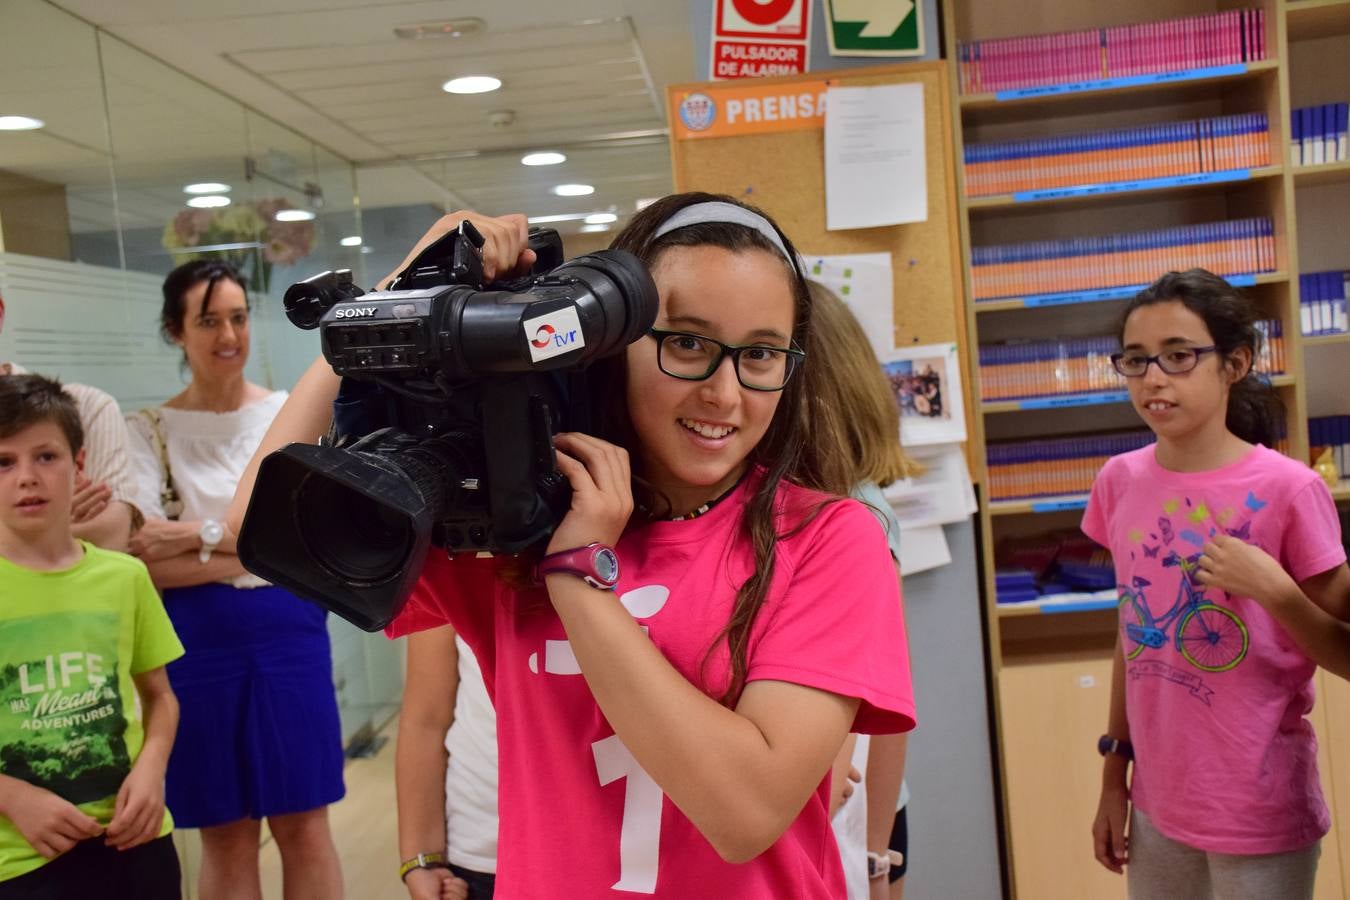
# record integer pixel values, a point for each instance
(1107, 744)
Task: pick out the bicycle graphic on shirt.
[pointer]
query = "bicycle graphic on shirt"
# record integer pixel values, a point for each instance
(1210, 637)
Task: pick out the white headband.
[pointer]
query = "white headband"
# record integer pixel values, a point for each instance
(717, 211)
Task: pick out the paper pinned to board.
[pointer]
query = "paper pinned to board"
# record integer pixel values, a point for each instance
(943, 494)
(926, 381)
(922, 549)
(876, 170)
(865, 283)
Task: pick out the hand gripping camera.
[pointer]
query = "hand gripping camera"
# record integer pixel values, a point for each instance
(452, 392)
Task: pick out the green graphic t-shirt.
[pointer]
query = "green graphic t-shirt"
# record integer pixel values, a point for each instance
(70, 718)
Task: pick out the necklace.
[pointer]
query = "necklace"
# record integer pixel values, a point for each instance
(701, 510)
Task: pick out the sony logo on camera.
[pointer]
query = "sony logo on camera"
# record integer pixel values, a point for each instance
(353, 312)
(553, 334)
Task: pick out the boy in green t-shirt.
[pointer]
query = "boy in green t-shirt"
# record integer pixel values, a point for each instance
(87, 718)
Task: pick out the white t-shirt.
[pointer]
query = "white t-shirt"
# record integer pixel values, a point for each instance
(850, 828)
(208, 452)
(471, 774)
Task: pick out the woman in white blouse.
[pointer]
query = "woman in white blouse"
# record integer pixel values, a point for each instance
(259, 735)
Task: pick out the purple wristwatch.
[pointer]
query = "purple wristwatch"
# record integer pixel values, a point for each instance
(597, 564)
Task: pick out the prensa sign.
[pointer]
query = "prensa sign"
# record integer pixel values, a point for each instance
(738, 109)
(760, 38)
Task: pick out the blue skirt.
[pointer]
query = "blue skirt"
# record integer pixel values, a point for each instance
(258, 733)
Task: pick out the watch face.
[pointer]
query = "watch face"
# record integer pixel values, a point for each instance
(606, 565)
(212, 532)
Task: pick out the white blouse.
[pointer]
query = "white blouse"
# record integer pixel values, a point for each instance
(208, 452)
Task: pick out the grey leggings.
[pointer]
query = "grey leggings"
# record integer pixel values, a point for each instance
(1163, 869)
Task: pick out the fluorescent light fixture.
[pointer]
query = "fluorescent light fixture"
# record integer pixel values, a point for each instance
(560, 217)
(20, 123)
(294, 215)
(206, 187)
(448, 28)
(574, 190)
(352, 241)
(592, 229)
(543, 158)
(601, 218)
(210, 201)
(472, 84)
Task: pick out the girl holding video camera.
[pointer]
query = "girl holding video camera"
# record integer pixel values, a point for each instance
(706, 632)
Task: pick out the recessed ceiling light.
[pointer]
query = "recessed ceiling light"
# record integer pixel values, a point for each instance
(20, 123)
(472, 84)
(543, 158)
(574, 190)
(352, 241)
(206, 187)
(592, 229)
(560, 217)
(209, 202)
(294, 215)
(601, 218)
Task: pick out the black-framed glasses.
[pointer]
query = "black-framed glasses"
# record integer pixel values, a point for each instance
(694, 357)
(1176, 361)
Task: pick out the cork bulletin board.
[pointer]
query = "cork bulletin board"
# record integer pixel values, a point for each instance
(764, 141)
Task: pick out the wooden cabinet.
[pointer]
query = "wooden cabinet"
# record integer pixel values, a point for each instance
(1052, 716)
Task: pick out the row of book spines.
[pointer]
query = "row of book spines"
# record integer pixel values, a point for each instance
(1128, 242)
(1162, 151)
(1147, 136)
(1056, 466)
(1057, 274)
(1047, 368)
(1029, 369)
(1318, 134)
(1219, 39)
(1322, 302)
(1333, 432)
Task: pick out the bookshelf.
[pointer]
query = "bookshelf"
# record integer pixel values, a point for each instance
(1043, 649)
(1326, 173)
(1309, 19)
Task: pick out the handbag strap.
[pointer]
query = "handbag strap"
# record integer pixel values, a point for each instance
(168, 494)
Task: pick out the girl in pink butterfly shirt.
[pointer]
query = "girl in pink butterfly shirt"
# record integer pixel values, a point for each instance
(1209, 694)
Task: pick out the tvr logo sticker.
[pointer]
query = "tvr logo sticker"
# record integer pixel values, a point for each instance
(554, 334)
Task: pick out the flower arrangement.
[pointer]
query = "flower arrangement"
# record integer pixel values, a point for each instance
(245, 235)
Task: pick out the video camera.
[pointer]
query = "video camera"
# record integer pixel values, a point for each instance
(452, 392)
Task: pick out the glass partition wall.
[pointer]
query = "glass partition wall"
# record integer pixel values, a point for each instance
(134, 169)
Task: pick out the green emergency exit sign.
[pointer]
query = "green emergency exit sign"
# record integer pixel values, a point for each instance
(875, 27)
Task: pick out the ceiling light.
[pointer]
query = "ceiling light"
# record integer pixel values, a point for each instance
(561, 217)
(19, 123)
(448, 28)
(592, 229)
(209, 201)
(294, 215)
(353, 241)
(543, 158)
(601, 218)
(574, 190)
(472, 84)
(206, 187)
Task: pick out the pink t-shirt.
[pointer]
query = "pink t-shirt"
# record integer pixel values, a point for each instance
(578, 816)
(1216, 691)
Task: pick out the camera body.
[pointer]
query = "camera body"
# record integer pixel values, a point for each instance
(452, 391)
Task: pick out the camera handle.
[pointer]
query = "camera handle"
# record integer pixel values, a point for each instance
(528, 494)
